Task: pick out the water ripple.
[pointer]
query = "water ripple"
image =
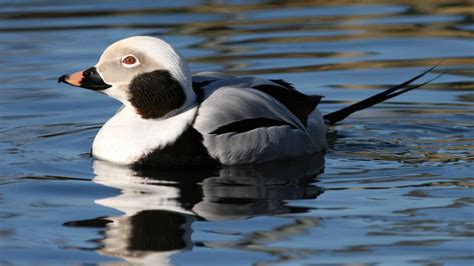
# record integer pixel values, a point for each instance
(394, 188)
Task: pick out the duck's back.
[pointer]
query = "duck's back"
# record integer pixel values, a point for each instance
(250, 120)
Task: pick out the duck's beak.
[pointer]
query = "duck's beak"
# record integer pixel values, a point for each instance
(88, 79)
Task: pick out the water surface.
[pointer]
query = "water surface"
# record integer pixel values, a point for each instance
(396, 186)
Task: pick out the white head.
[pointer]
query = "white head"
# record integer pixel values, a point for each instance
(143, 72)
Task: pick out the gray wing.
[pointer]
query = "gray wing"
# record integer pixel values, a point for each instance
(242, 124)
(301, 105)
(231, 99)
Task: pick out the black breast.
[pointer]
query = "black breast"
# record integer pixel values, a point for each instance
(187, 151)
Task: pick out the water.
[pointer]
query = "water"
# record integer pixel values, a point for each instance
(396, 186)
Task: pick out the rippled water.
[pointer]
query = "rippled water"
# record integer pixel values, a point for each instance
(396, 186)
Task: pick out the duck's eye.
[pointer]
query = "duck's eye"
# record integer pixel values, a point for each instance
(129, 61)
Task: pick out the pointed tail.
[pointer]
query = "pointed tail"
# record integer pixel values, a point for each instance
(334, 117)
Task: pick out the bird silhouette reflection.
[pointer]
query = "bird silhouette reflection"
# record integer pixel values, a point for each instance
(159, 206)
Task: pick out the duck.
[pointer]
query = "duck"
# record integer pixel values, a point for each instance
(170, 118)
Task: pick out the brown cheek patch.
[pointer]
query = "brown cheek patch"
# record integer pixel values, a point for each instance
(156, 93)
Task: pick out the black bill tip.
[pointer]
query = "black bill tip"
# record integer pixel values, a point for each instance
(63, 78)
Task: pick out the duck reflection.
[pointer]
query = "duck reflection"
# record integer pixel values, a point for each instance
(159, 206)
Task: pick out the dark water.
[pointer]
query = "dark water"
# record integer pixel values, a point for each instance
(395, 188)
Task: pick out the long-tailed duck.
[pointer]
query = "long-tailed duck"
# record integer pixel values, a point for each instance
(171, 118)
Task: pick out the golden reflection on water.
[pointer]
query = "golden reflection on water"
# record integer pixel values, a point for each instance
(343, 27)
(346, 27)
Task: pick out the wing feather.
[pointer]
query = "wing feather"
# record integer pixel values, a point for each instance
(241, 123)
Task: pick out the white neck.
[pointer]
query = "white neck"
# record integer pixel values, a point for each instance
(127, 137)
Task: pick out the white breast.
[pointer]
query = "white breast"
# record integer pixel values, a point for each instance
(127, 137)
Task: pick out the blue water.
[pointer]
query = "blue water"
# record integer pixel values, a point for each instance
(395, 187)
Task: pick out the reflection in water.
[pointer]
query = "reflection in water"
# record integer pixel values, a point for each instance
(159, 206)
(399, 175)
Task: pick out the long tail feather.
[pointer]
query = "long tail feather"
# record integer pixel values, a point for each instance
(334, 117)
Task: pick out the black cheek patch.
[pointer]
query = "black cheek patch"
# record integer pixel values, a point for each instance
(156, 93)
